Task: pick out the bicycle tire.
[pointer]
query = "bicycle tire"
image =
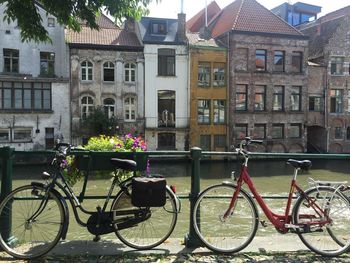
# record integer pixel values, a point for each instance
(324, 240)
(29, 240)
(148, 233)
(239, 228)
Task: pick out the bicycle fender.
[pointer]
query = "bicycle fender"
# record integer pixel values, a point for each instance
(175, 197)
(65, 208)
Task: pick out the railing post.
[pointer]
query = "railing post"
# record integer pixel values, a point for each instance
(6, 155)
(191, 239)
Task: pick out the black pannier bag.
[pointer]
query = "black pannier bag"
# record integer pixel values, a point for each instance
(148, 192)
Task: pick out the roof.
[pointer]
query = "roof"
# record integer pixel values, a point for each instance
(108, 35)
(250, 16)
(170, 36)
(194, 39)
(198, 20)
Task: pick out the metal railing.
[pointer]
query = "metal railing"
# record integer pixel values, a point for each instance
(94, 161)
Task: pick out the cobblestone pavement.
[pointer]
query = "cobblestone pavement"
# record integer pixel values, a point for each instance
(289, 257)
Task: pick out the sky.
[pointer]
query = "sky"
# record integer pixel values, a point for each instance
(170, 8)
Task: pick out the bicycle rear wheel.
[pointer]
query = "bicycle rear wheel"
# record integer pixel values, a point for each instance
(236, 231)
(331, 239)
(143, 227)
(26, 236)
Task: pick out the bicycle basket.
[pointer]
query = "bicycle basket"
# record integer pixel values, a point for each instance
(148, 192)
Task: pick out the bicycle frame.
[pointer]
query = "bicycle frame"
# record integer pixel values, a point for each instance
(281, 221)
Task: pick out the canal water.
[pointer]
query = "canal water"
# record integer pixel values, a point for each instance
(271, 178)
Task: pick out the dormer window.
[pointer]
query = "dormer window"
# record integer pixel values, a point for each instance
(159, 28)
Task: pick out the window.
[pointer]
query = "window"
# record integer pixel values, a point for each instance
(336, 101)
(51, 22)
(259, 131)
(337, 65)
(219, 75)
(25, 95)
(4, 135)
(166, 141)
(159, 28)
(277, 131)
(22, 135)
(347, 133)
(219, 111)
(278, 98)
(47, 64)
(11, 60)
(166, 108)
(108, 71)
(219, 141)
(278, 61)
(316, 103)
(260, 60)
(259, 98)
(338, 134)
(166, 62)
(295, 130)
(203, 74)
(295, 99)
(242, 59)
(129, 108)
(297, 60)
(109, 106)
(205, 142)
(86, 70)
(349, 101)
(49, 138)
(203, 110)
(241, 98)
(87, 106)
(129, 72)
(241, 131)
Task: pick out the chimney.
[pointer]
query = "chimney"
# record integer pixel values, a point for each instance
(129, 24)
(181, 27)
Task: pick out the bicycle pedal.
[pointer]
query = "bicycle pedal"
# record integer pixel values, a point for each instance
(97, 238)
(263, 223)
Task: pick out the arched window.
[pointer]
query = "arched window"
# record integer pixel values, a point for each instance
(348, 133)
(109, 107)
(129, 108)
(87, 106)
(130, 72)
(86, 70)
(108, 71)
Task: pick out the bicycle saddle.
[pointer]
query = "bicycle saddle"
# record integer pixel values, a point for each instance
(124, 164)
(304, 164)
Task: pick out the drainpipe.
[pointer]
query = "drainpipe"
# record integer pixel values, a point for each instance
(326, 108)
(228, 121)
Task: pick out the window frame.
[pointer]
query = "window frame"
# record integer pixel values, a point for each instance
(261, 54)
(280, 126)
(338, 133)
(336, 101)
(219, 141)
(8, 132)
(337, 67)
(109, 108)
(295, 96)
(89, 70)
(239, 88)
(204, 74)
(260, 91)
(259, 125)
(51, 22)
(12, 56)
(276, 94)
(166, 62)
(299, 133)
(89, 106)
(276, 66)
(172, 138)
(108, 71)
(316, 103)
(243, 126)
(158, 28)
(219, 75)
(203, 119)
(48, 58)
(220, 111)
(202, 138)
(129, 108)
(129, 72)
(21, 129)
(297, 62)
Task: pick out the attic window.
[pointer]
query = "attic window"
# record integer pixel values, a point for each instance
(51, 22)
(159, 28)
(7, 32)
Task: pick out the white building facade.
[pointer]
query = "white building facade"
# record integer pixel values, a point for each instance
(166, 82)
(34, 87)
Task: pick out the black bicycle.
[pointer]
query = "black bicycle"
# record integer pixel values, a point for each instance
(35, 217)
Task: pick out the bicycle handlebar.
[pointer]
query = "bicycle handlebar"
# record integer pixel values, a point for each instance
(244, 143)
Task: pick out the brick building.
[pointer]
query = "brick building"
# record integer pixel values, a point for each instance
(329, 51)
(267, 76)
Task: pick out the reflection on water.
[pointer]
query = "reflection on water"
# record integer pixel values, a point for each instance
(270, 178)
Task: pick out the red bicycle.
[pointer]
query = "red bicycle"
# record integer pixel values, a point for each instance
(226, 217)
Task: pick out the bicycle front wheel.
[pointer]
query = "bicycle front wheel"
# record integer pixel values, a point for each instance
(225, 235)
(325, 238)
(30, 224)
(143, 227)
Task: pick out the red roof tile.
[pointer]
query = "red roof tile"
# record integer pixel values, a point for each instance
(249, 16)
(108, 34)
(198, 21)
